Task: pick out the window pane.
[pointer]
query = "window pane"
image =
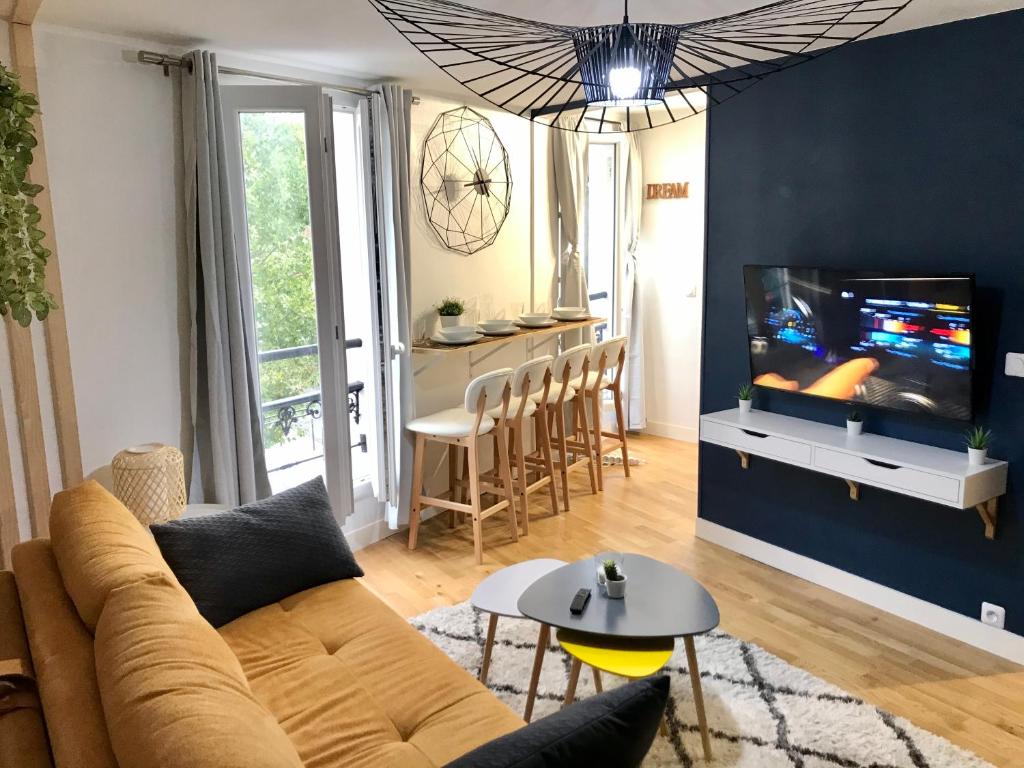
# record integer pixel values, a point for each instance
(284, 297)
(600, 233)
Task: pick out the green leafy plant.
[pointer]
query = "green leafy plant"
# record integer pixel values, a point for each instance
(745, 392)
(451, 307)
(22, 254)
(978, 438)
(854, 416)
(611, 571)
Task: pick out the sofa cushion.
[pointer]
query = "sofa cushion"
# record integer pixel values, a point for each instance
(65, 667)
(22, 736)
(237, 561)
(173, 693)
(337, 654)
(99, 545)
(613, 728)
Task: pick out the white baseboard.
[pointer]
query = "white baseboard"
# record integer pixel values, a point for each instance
(368, 534)
(672, 431)
(942, 620)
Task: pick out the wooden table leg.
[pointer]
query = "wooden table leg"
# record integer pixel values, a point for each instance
(574, 677)
(698, 695)
(492, 625)
(538, 659)
(598, 685)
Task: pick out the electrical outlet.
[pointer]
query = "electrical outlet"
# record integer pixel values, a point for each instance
(993, 615)
(1015, 363)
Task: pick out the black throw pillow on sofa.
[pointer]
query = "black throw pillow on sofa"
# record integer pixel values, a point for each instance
(234, 562)
(613, 728)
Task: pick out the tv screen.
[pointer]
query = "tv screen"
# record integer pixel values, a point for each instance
(890, 340)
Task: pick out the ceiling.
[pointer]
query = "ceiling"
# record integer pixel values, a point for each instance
(348, 37)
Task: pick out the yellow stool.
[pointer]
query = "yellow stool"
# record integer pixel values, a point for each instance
(630, 658)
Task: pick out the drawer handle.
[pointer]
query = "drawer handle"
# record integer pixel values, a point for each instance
(753, 434)
(882, 464)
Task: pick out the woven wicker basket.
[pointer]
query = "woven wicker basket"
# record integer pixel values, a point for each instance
(150, 480)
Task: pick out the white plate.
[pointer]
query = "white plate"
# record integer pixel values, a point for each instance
(502, 332)
(545, 324)
(453, 343)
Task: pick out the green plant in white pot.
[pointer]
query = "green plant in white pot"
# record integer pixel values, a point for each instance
(978, 441)
(614, 580)
(745, 396)
(22, 254)
(450, 311)
(854, 423)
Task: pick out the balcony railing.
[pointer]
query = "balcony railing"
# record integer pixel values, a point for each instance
(286, 412)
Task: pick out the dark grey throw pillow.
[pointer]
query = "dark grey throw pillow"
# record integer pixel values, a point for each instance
(234, 562)
(613, 728)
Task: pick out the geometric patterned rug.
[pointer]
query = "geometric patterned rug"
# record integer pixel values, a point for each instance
(762, 711)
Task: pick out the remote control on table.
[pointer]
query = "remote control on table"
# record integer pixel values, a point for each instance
(579, 602)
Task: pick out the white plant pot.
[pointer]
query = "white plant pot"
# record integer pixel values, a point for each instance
(746, 405)
(616, 589)
(977, 456)
(448, 321)
(854, 428)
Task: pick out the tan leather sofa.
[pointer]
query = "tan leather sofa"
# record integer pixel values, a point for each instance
(129, 674)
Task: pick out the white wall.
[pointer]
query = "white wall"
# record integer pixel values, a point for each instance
(113, 143)
(671, 258)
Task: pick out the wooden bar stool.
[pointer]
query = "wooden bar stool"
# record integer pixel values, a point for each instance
(462, 428)
(531, 380)
(610, 353)
(573, 453)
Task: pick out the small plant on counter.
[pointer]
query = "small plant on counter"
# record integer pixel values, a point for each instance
(854, 423)
(978, 440)
(746, 397)
(22, 254)
(451, 307)
(611, 571)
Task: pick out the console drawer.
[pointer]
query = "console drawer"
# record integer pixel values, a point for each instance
(756, 442)
(911, 481)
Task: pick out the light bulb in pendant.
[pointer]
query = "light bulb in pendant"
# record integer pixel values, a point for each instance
(624, 82)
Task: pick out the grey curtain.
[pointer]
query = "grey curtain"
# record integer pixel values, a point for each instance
(224, 390)
(391, 110)
(633, 375)
(569, 179)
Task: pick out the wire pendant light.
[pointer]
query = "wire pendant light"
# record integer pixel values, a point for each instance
(629, 76)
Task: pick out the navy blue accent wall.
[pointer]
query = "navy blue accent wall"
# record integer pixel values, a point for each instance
(903, 152)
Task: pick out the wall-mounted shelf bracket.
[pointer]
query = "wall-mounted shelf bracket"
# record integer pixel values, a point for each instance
(989, 511)
(744, 459)
(854, 490)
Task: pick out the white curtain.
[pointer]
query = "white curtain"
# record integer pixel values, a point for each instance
(223, 387)
(568, 178)
(391, 117)
(633, 321)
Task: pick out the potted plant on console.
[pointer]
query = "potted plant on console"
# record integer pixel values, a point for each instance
(450, 311)
(614, 580)
(978, 441)
(746, 397)
(854, 423)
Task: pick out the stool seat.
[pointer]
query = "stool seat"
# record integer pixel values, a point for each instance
(452, 422)
(556, 387)
(513, 408)
(623, 657)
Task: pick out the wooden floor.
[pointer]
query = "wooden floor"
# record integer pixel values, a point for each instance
(972, 698)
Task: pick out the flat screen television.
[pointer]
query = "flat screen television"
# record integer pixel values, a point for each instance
(891, 340)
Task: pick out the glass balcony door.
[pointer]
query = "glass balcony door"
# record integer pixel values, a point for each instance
(285, 214)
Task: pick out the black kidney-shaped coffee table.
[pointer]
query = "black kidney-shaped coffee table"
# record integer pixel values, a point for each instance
(661, 602)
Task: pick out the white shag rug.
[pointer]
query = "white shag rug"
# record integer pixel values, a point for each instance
(762, 711)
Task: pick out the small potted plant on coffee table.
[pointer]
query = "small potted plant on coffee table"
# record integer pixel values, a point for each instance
(746, 397)
(854, 423)
(614, 580)
(450, 311)
(978, 440)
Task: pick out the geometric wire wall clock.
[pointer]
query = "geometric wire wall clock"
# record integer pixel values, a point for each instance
(465, 179)
(629, 76)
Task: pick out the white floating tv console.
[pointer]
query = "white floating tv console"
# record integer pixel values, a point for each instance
(922, 471)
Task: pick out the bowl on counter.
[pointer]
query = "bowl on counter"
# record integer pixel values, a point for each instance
(535, 319)
(570, 313)
(458, 332)
(495, 326)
